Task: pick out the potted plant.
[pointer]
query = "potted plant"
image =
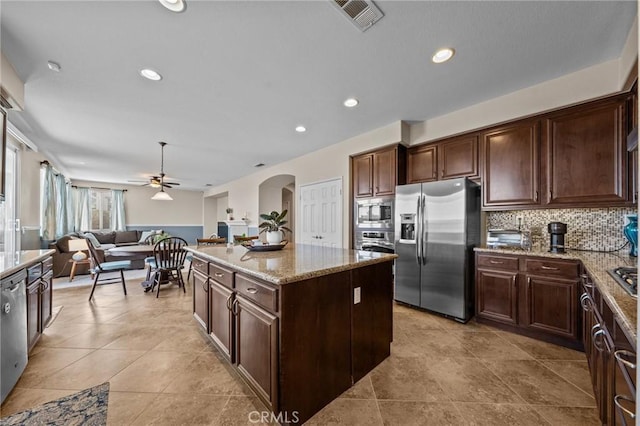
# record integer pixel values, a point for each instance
(160, 236)
(273, 225)
(229, 213)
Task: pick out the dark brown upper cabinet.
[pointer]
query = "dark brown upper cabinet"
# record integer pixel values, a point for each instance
(376, 174)
(448, 159)
(511, 164)
(585, 155)
(422, 164)
(458, 158)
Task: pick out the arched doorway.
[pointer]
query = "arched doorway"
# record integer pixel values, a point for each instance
(278, 193)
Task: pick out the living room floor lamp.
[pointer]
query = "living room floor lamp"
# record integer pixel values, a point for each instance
(78, 245)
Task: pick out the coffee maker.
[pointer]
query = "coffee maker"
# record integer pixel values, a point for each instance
(557, 231)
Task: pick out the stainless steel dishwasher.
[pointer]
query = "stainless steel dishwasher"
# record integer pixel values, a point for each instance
(13, 329)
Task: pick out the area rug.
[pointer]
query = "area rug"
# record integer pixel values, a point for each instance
(85, 408)
(54, 314)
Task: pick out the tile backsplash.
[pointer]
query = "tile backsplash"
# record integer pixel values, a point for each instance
(587, 229)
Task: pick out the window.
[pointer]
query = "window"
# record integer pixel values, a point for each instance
(8, 240)
(100, 203)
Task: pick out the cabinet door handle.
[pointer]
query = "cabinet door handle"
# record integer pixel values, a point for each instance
(548, 268)
(616, 400)
(495, 262)
(234, 307)
(635, 197)
(528, 282)
(218, 275)
(536, 196)
(442, 173)
(205, 286)
(619, 356)
(513, 280)
(252, 290)
(229, 302)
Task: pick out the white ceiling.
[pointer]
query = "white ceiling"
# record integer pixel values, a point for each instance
(239, 76)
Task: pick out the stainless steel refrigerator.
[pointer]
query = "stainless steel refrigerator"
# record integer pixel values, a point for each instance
(437, 225)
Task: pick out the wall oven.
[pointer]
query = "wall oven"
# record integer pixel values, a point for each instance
(374, 213)
(375, 240)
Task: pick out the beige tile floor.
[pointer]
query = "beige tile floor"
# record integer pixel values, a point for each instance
(164, 371)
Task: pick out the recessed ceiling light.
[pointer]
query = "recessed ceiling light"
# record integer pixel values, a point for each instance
(443, 55)
(351, 102)
(150, 74)
(173, 5)
(301, 129)
(54, 66)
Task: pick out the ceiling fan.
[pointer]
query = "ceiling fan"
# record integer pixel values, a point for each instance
(158, 180)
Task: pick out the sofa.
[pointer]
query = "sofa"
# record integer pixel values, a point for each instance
(107, 240)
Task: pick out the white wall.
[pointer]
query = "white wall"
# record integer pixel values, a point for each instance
(327, 163)
(210, 216)
(589, 83)
(185, 209)
(29, 187)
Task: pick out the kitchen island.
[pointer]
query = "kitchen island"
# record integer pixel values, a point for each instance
(301, 325)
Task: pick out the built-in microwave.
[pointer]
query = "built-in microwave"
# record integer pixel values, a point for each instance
(374, 213)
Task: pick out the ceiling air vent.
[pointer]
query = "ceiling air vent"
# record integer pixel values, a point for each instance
(361, 13)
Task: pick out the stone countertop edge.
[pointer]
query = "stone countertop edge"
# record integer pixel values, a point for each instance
(624, 307)
(293, 277)
(13, 262)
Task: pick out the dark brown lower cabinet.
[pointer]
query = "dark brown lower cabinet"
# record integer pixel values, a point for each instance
(39, 299)
(201, 299)
(611, 358)
(33, 313)
(537, 297)
(257, 348)
(552, 306)
(497, 296)
(221, 318)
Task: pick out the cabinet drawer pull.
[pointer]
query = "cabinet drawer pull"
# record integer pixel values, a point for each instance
(619, 354)
(595, 335)
(496, 262)
(548, 268)
(218, 275)
(616, 400)
(585, 302)
(252, 290)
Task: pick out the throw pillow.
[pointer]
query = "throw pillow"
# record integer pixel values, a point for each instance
(144, 236)
(89, 236)
(126, 237)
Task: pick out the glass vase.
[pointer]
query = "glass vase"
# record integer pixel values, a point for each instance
(631, 232)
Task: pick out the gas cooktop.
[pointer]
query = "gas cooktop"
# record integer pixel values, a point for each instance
(627, 277)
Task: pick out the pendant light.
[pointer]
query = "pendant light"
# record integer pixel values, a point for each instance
(161, 195)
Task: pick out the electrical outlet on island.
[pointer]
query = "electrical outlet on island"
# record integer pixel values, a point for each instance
(519, 222)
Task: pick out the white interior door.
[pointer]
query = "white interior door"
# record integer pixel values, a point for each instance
(321, 213)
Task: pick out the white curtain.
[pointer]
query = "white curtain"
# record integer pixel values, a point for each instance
(117, 210)
(62, 206)
(48, 203)
(81, 209)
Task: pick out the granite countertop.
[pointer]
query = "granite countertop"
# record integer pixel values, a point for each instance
(624, 307)
(13, 262)
(295, 262)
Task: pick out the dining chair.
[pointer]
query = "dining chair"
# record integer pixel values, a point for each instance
(100, 267)
(168, 261)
